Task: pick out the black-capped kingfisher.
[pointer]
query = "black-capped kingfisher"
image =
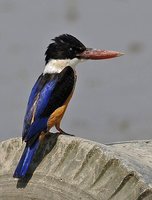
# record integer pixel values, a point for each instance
(52, 92)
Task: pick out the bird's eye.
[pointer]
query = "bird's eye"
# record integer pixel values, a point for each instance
(71, 49)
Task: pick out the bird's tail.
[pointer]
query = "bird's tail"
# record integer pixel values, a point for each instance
(26, 159)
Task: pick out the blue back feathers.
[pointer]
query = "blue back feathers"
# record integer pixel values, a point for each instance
(49, 92)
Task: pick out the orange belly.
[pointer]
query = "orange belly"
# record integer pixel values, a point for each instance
(57, 115)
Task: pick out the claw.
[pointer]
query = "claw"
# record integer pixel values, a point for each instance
(64, 133)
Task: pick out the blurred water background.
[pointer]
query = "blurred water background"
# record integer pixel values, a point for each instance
(113, 98)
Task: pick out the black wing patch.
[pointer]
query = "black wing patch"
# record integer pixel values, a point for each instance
(62, 90)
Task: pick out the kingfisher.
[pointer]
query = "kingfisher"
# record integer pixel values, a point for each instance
(52, 92)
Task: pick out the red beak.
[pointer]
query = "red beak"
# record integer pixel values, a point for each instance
(94, 54)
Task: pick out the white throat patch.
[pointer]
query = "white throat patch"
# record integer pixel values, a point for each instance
(57, 65)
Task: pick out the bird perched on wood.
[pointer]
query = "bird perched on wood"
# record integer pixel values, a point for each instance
(52, 92)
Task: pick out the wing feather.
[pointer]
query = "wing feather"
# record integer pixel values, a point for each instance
(49, 92)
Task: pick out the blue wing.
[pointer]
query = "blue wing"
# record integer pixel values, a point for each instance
(34, 124)
(38, 100)
(49, 92)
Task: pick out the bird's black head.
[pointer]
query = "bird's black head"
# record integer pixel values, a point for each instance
(64, 47)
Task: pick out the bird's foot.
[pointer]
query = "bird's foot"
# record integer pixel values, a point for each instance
(64, 133)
